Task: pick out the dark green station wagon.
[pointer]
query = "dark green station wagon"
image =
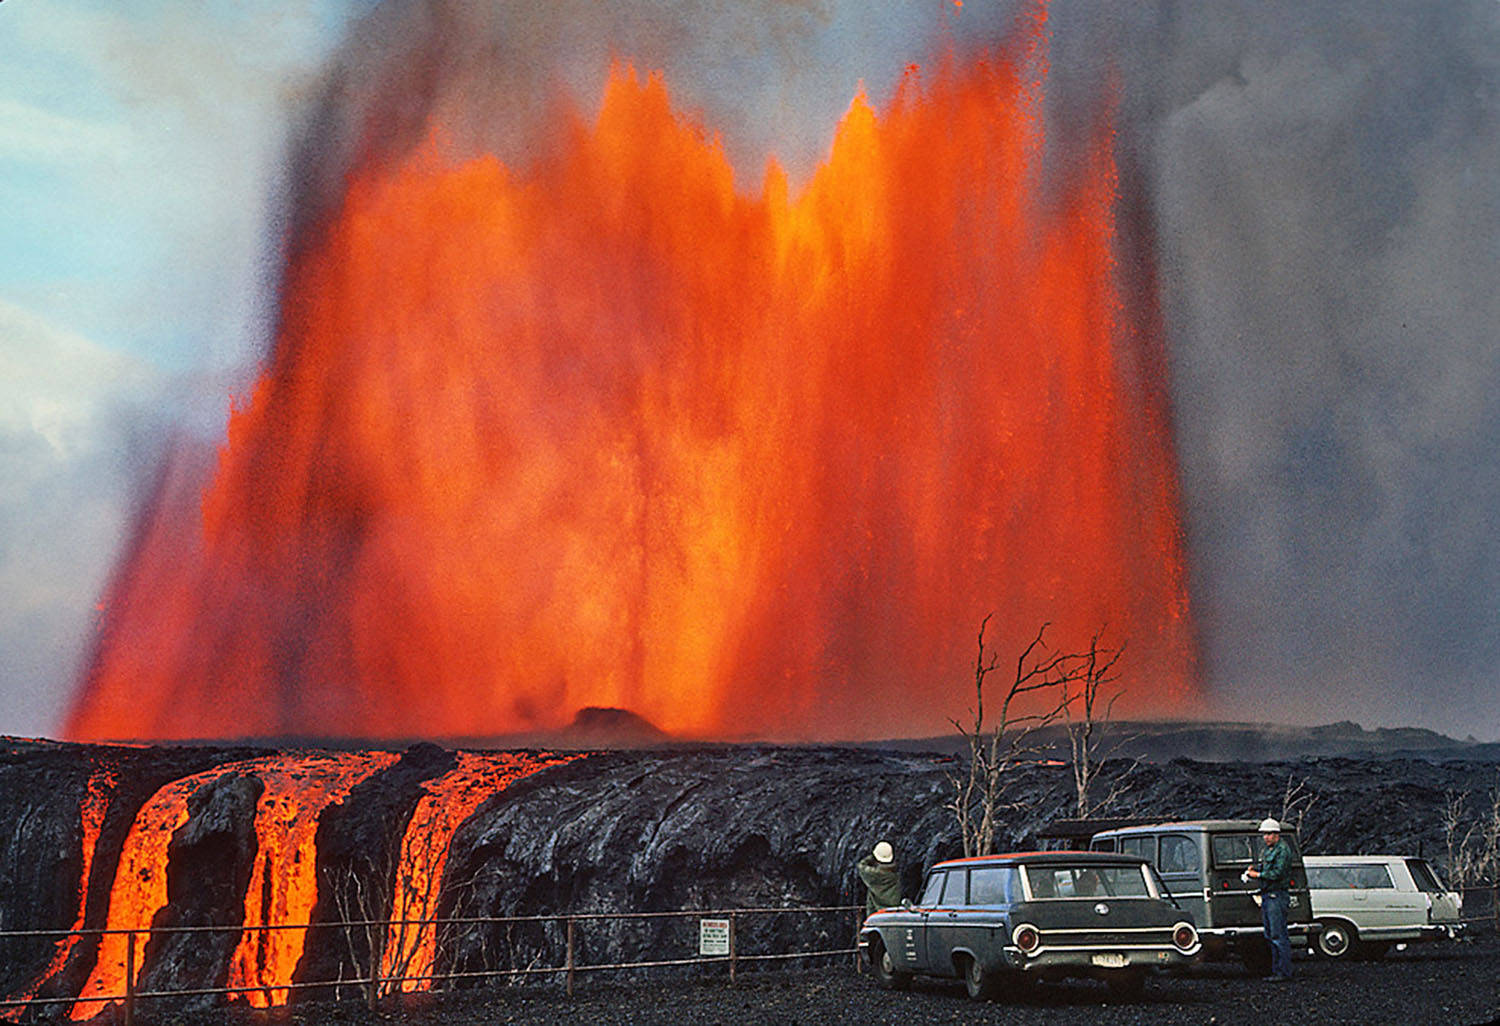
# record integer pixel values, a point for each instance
(1033, 915)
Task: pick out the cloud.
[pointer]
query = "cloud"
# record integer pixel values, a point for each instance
(74, 440)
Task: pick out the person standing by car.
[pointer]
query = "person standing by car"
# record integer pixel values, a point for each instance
(1274, 872)
(882, 881)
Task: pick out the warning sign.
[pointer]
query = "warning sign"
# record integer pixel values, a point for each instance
(713, 936)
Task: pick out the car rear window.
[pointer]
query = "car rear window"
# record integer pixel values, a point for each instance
(1425, 878)
(1053, 881)
(1354, 876)
(1231, 849)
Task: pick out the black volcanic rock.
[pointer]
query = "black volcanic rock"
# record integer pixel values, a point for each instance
(645, 831)
(209, 863)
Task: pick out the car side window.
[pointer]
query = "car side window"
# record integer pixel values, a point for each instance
(953, 890)
(1103, 844)
(991, 885)
(1145, 847)
(934, 889)
(1371, 878)
(1179, 854)
(1324, 878)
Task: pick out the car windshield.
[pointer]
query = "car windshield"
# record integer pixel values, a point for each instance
(1085, 881)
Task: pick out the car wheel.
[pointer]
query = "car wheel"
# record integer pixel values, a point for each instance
(886, 973)
(1336, 939)
(979, 984)
(1126, 983)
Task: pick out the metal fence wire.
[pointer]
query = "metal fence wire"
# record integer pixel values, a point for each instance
(717, 931)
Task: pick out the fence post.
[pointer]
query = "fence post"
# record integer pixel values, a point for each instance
(1495, 905)
(377, 936)
(731, 947)
(130, 978)
(570, 956)
(858, 922)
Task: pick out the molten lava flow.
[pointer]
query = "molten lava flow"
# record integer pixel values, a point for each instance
(283, 886)
(606, 432)
(90, 820)
(410, 948)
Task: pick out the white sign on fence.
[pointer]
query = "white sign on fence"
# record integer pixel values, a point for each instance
(713, 936)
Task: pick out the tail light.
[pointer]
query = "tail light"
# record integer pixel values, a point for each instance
(1027, 938)
(1184, 936)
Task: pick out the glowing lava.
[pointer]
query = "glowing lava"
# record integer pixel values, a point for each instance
(605, 431)
(283, 885)
(410, 949)
(90, 820)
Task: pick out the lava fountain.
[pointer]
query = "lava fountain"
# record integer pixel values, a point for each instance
(607, 431)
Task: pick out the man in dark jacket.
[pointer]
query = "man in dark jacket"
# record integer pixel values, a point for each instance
(1274, 872)
(882, 881)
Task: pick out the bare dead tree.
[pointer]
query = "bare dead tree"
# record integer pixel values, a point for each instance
(1088, 706)
(997, 747)
(1297, 801)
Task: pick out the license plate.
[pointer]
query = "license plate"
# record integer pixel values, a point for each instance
(1109, 960)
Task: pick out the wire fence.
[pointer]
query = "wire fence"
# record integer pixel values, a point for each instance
(719, 939)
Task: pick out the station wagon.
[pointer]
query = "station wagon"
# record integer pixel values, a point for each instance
(1364, 903)
(1036, 915)
(1202, 862)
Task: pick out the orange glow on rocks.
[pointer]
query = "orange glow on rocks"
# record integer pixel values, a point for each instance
(283, 885)
(297, 789)
(90, 820)
(410, 950)
(605, 431)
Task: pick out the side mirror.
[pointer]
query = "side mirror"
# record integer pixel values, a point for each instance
(906, 903)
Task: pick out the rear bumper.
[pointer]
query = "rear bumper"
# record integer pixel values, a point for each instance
(1091, 961)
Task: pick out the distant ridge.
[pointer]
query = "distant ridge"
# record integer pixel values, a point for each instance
(1164, 740)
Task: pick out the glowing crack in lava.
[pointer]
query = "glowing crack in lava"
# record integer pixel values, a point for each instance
(91, 812)
(604, 431)
(410, 948)
(283, 887)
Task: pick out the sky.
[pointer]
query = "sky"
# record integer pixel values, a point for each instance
(1318, 187)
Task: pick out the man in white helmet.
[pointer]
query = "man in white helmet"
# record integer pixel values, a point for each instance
(1274, 871)
(881, 878)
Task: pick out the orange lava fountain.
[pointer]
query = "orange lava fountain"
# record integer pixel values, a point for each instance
(606, 431)
(283, 886)
(90, 820)
(410, 949)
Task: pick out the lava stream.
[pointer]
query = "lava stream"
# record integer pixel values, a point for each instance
(410, 948)
(90, 819)
(297, 789)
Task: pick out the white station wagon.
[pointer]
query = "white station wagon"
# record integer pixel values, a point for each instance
(1365, 903)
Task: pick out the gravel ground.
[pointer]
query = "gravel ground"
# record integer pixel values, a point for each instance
(1455, 984)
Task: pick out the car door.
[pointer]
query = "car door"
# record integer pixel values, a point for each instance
(1179, 862)
(945, 924)
(1379, 907)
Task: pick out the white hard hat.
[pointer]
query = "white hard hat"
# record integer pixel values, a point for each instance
(884, 852)
(1270, 826)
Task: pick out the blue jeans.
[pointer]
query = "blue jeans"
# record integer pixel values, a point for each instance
(1273, 912)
